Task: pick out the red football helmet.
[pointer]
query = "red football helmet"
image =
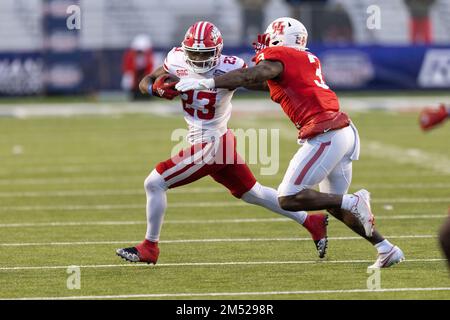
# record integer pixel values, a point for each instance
(202, 46)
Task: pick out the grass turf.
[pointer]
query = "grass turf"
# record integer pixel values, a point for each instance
(86, 173)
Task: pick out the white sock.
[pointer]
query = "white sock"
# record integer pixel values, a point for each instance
(348, 201)
(384, 246)
(155, 188)
(268, 198)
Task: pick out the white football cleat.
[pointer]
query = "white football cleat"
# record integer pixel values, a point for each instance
(362, 211)
(387, 259)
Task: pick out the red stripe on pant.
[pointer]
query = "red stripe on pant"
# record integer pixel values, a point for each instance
(311, 162)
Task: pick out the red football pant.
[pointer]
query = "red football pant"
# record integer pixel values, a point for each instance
(219, 160)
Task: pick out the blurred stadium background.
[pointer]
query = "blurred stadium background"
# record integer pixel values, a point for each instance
(407, 49)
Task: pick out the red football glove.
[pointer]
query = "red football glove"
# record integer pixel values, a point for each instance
(261, 43)
(164, 90)
(430, 118)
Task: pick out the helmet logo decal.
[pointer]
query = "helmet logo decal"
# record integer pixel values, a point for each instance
(215, 34)
(278, 27)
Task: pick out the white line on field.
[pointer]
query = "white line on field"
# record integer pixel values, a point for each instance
(193, 205)
(208, 264)
(126, 192)
(71, 180)
(140, 222)
(117, 192)
(420, 158)
(134, 178)
(209, 221)
(78, 243)
(88, 168)
(230, 294)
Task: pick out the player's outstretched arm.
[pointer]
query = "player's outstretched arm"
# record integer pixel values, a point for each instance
(145, 82)
(262, 86)
(247, 77)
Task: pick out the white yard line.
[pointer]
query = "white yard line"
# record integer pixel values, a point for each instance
(437, 163)
(133, 178)
(231, 294)
(71, 180)
(200, 221)
(82, 243)
(193, 205)
(419, 158)
(124, 223)
(208, 264)
(96, 193)
(88, 168)
(140, 191)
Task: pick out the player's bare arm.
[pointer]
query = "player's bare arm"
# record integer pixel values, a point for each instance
(262, 86)
(250, 78)
(145, 82)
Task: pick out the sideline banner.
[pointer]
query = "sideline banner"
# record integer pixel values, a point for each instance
(355, 68)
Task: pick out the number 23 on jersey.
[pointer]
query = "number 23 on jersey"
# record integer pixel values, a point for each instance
(208, 110)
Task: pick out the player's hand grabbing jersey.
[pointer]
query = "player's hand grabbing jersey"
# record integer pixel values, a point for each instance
(206, 112)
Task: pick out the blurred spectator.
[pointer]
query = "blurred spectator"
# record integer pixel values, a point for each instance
(337, 26)
(253, 19)
(137, 62)
(295, 8)
(309, 12)
(420, 23)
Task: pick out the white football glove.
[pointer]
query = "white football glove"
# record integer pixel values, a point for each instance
(194, 84)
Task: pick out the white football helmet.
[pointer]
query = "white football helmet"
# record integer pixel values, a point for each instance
(287, 32)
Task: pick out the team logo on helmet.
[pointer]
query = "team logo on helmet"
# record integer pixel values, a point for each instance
(215, 34)
(278, 27)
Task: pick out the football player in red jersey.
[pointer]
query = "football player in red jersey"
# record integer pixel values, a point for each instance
(330, 140)
(213, 148)
(430, 118)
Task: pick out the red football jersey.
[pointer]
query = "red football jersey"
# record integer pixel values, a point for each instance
(300, 89)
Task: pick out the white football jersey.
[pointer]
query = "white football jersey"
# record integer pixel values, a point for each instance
(207, 111)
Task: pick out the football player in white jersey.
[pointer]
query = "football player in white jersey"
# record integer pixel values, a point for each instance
(213, 149)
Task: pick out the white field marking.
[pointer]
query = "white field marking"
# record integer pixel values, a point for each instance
(419, 158)
(201, 190)
(82, 243)
(76, 109)
(89, 168)
(71, 180)
(133, 178)
(192, 205)
(71, 169)
(231, 294)
(252, 107)
(209, 264)
(140, 222)
(210, 221)
(120, 206)
(96, 193)
(376, 149)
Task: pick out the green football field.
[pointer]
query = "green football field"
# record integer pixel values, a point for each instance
(71, 192)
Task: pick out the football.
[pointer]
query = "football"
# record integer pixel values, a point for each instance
(168, 78)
